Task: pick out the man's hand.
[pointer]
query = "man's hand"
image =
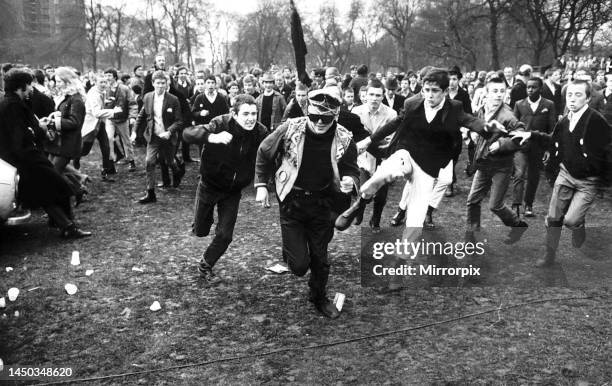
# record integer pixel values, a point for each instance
(132, 122)
(494, 147)
(204, 113)
(346, 184)
(363, 145)
(262, 196)
(117, 110)
(54, 115)
(494, 126)
(223, 138)
(524, 135)
(165, 135)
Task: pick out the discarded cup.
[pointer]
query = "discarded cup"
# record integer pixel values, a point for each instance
(155, 306)
(339, 300)
(89, 272)
(2, 302)
(76, 260)
(71, 289)
(13, 293)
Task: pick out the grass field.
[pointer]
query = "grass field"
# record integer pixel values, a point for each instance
(141, 254)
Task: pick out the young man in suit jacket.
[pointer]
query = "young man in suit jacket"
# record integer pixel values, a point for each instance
(581, 148)
(538, 114)
(160, 119)
(391, 98)
(552, 89)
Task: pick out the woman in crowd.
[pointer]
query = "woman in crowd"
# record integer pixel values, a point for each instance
(68, 121)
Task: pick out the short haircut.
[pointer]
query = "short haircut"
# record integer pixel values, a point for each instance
(376, 83)
(437, 76)
(362, 70)
(159, 74)
(17, 79)
(536, 79)
(455, 71)
(6, 67)
(136, 68)
(211, 77)
(232, 84)
(112, 71)
(495, 79)
(587, 86)
(248, 79)
(39, 75)
(125, 77)
(353, 67)
(181, 68)
(348, 90)
(47, 66)
(363, 88)
(242, 99)
(301, 87)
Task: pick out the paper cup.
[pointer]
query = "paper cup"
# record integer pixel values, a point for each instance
(155, 306)
(71, 289)
(76, 260)
(13, 293)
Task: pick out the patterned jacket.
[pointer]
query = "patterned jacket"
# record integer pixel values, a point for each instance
(288, 143)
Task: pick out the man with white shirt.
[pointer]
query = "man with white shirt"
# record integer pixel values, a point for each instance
(538, 114)
(162, 119)
(424, 143)
(581, 148)
(373, 114)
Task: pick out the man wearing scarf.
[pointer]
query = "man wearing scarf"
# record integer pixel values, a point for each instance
(318, 160)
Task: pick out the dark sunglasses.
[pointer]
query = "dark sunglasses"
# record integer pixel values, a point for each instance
(325, 119)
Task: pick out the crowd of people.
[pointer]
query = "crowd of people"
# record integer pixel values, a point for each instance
(319, 139)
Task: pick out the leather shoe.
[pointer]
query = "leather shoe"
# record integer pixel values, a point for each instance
(207, 274)
(346, 218)
(516, 233)
(399, 217)
(327, 308)
(150, 197)
(375, 227)
(529, 211)
(428, 223)
(72, 232)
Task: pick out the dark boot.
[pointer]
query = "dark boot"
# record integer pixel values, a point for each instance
(516, 232)
(553, 234)
(207, 274)
(578, 237)
(529, 211)
(148, 198)
(356, 210)
(428, 223)
(473, 217)
(399, 217)
(450, 191)
(177, 176)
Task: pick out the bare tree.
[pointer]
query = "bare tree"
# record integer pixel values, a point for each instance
(117, 29)
(94, 25)
(396, 17)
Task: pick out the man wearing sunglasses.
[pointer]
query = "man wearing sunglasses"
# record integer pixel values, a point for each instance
(318, 161)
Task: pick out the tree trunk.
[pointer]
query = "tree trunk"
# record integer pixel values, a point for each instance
(493, 18)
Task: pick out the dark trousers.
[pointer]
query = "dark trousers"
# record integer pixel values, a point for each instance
(102, 138)
(380, 198)
(526, 175)
(495, 180)
(305, 229)
(227, 212)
